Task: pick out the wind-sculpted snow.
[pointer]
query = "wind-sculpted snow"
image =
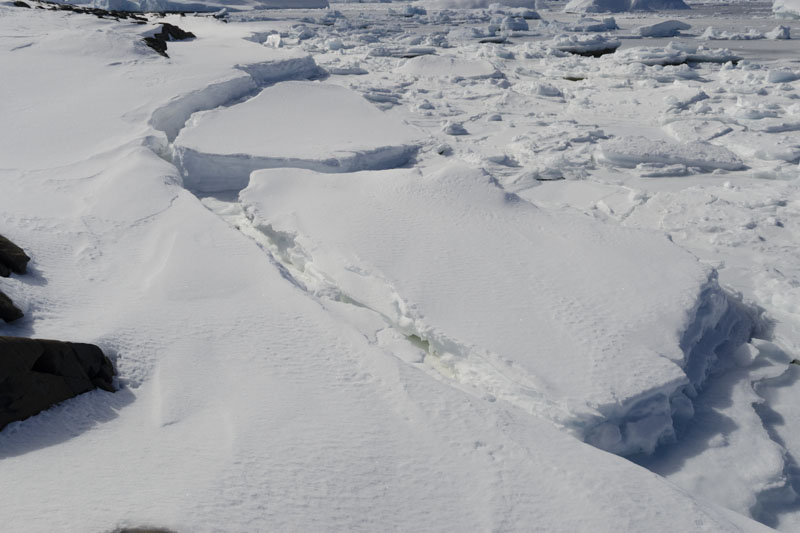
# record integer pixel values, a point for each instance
(294, 124)
(488, 279)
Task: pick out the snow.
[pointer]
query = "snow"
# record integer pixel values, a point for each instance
(786, 8)
(631, 151)
(330, 312)
(618, 6)
(572, 372)
(292, 124)
(442, 66)
(668, 28)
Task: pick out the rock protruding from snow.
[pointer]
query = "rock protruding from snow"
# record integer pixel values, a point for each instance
(202, 6)
(668, 28)
(294, 124)
(12, 258)
(596, 346)
(8, 311)
(629, 152)
(40, 373)
(618, 6)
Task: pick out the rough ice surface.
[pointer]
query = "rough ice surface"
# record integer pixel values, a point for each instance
(293, 124)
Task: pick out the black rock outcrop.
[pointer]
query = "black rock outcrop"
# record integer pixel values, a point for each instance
(169, 32)
(12, 258)
(8, 311)
(36, 374)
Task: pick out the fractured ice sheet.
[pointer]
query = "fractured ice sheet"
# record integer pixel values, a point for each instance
(293, 124)
(609, 348)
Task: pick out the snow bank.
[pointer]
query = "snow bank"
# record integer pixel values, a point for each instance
(628, 152)
(292, 124)
(786, 8)
(618, 6)
(604, 350)
(668, 28)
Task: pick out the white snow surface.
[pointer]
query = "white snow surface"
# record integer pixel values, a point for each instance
(420, 348)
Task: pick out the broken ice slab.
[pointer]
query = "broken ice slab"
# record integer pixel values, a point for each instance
(294, 124)
(613, 348)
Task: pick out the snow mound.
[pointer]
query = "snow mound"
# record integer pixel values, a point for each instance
(786, 8)
(430, 66)
(293, 124)
(619, 6)
(628, 152)
(668, 28)
(448, 257)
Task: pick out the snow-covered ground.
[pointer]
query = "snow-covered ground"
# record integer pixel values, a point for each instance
(408, 267)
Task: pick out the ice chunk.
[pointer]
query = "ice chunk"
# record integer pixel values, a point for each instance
(628, 152)
(585, 45)
(294, 124)
(617, 6)
(668, 28)
(787, 8)
(429, 66)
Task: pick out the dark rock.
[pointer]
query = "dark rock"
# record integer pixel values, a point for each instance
(12, 258)
(157, 44)
(8, 311)
(169, 32)
(18, 3)
(174, 33)
(36, 374)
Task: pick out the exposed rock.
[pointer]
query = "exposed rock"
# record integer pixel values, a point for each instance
(18, 3)
(36, 374)
(12, 258)
(169, 32)
(8, 311)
